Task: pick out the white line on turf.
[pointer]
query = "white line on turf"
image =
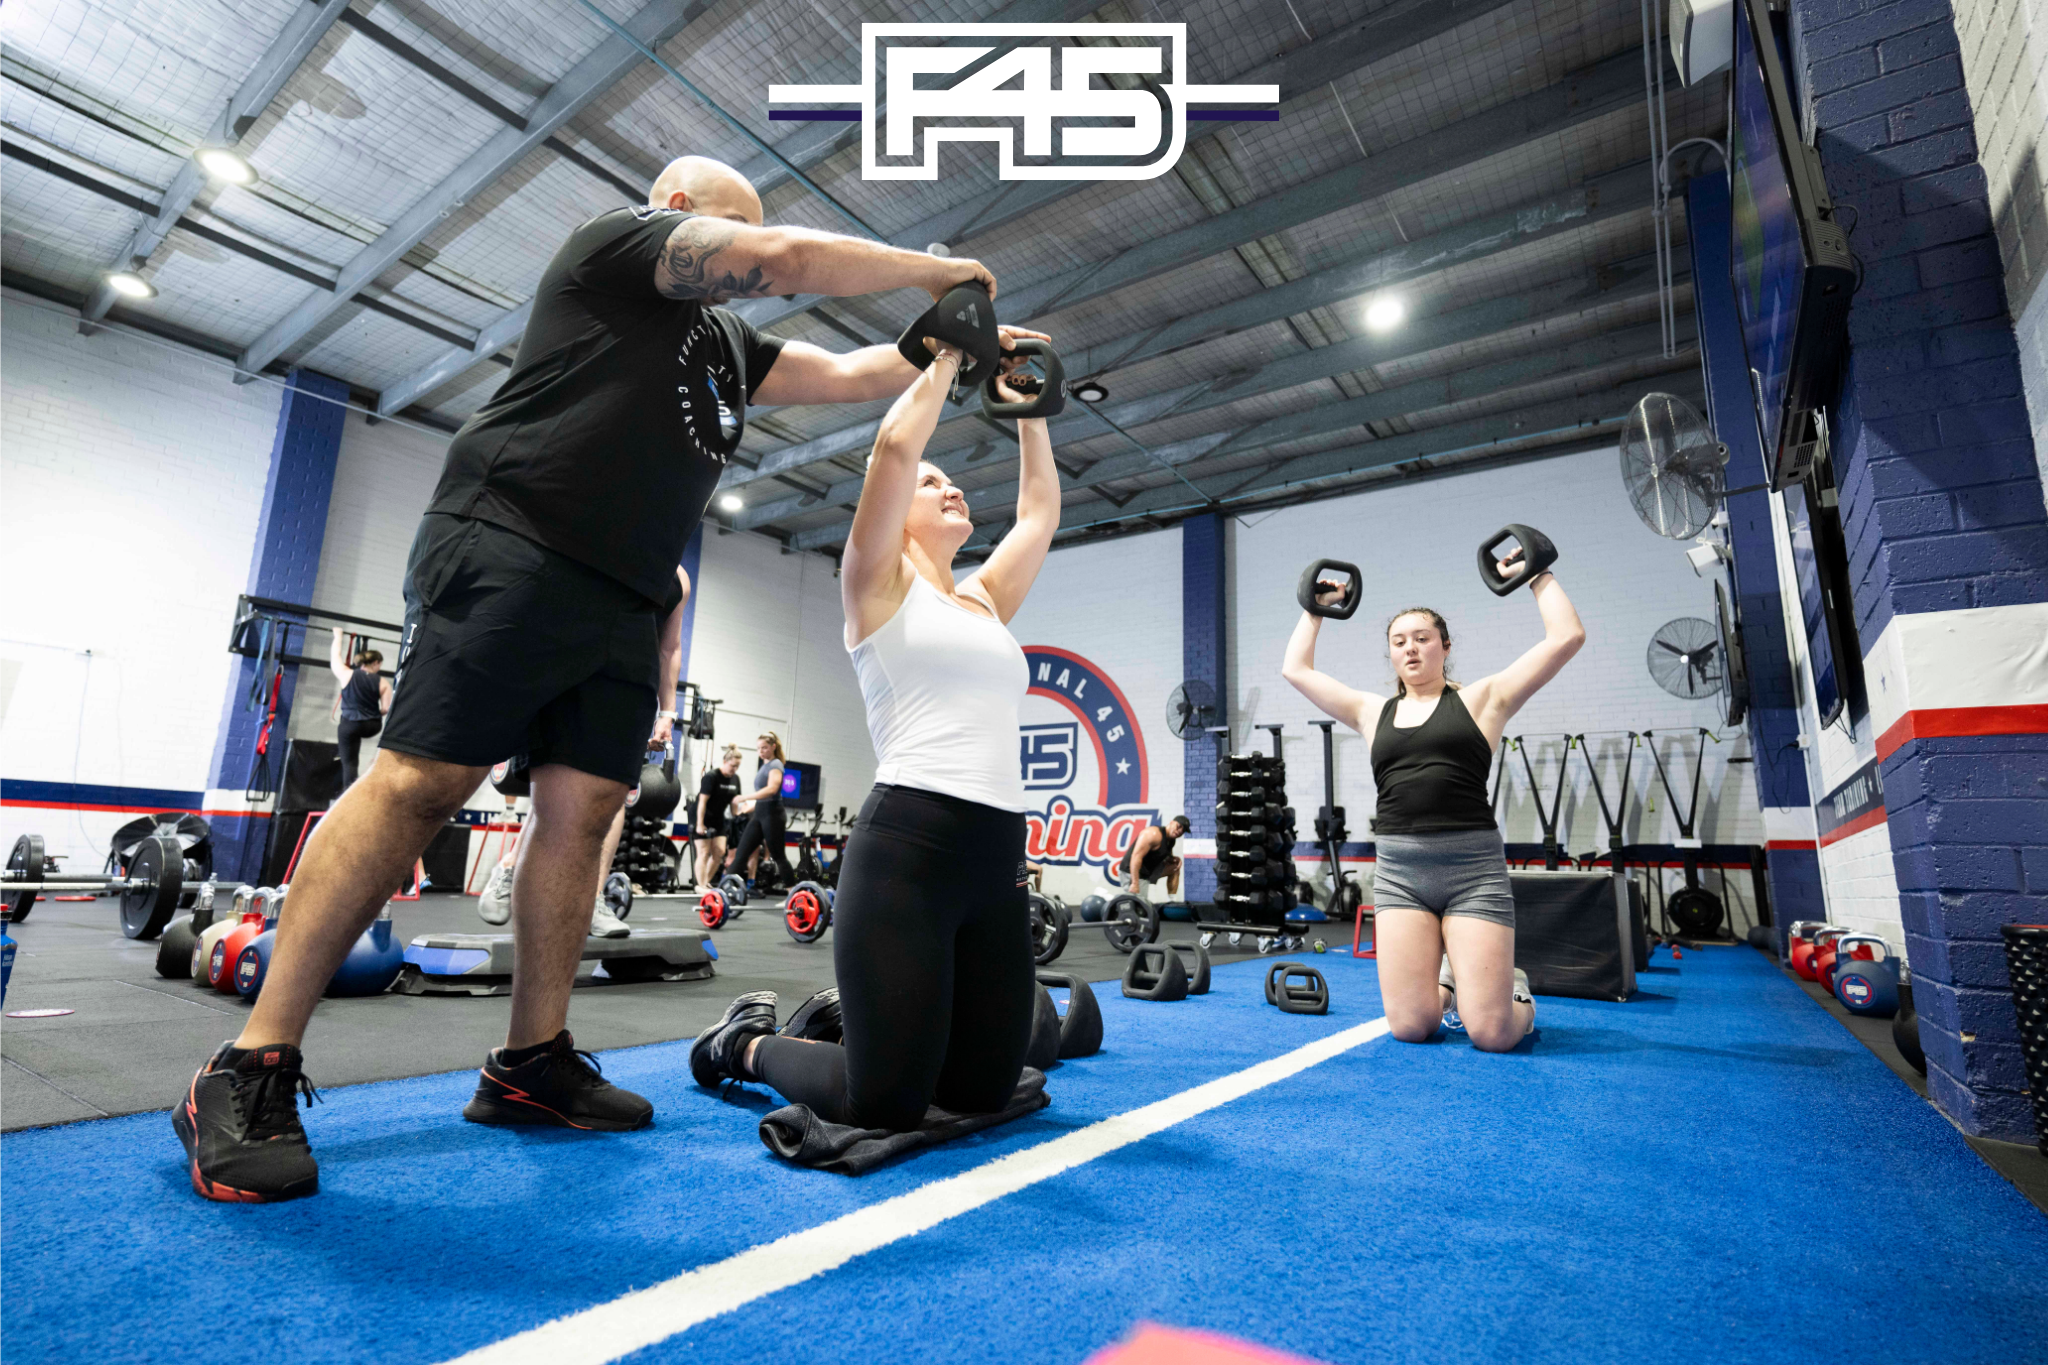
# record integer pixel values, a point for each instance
(637, 1320)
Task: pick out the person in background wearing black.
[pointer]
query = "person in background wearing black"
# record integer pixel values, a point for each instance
(764, 831)
(535, 592)
(1153, 856)
(707, 824)
(365, 697)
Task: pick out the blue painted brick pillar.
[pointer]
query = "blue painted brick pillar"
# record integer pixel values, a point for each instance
(1780, 766)
(1203, 655)
(285, 565)
(1947, 537)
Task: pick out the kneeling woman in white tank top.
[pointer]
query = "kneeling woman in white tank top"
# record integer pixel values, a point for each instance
(931, 937)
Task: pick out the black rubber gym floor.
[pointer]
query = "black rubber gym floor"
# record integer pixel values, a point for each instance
(133, 1038)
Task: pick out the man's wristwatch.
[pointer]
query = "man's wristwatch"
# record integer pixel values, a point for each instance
(664, 715)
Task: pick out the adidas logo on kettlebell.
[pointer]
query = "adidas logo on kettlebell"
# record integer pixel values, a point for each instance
(971, 315)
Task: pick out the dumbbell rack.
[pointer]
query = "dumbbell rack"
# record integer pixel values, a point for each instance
(1255, 876)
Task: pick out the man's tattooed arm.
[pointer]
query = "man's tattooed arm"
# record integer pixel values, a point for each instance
(713, 258)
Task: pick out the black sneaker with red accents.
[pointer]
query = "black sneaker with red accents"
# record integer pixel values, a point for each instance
(239, 1121)
(562, 1085)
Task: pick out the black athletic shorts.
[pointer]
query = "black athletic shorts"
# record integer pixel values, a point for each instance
(510, 647)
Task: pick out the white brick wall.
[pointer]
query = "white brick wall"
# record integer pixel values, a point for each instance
(1862, 887)
(767, 642)
(2004, 46)
(132, 477)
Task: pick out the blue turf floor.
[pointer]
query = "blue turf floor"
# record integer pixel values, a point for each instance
(1714, 1171)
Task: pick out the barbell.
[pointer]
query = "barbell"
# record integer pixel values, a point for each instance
(149, 891)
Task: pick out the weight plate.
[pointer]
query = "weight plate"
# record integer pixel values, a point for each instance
(25, 863)
(1130, 921)
(618, 894)
(1048, 929)
(805, 915)
(711, 909)
(735, 888)
(159, 863)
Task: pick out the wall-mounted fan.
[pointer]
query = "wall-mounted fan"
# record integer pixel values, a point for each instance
(1685, 658)
(1734, 660)
(1672, 466)
(1191, 709)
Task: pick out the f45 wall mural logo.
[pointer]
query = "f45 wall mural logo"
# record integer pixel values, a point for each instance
(1080, 750)
(995, 81)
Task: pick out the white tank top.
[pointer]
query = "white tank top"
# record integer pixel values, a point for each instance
(942, 686)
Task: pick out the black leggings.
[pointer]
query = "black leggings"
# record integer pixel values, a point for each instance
(931, 895)
(351, 734)
(764, 830)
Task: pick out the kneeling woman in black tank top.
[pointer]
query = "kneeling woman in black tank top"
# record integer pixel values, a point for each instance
(1441, 883)
(931, 933)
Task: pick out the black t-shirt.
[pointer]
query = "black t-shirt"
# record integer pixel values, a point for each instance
(720, 789)
(607, 439)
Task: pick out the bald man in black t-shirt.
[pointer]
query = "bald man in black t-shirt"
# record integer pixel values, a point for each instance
(534, 594)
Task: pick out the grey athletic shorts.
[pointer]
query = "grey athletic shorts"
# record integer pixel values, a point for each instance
(1453, 872)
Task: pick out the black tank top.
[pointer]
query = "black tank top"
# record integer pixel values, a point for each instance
(360, 696)
(1431, 777)
(1167, 839)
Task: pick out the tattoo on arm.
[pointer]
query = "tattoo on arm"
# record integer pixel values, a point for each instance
(690, 267)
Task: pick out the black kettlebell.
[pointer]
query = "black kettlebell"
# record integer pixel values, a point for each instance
(1538, 554)
(1906, 1030)
(1051, 398)
(963, 317)
(1312, 578)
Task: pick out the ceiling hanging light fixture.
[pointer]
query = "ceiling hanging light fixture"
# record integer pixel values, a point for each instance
(226, 165)
(731, 502)
(1385, 313)
(130, 285)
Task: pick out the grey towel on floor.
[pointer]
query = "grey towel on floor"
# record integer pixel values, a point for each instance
(797, 1135)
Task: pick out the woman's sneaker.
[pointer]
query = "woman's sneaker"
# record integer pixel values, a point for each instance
(714, 1057)
(562, 1085)
(1523, 994)
(495, 905)
(239, 1121)
(817, 1019)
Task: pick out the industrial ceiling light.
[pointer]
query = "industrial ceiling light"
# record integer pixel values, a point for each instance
(130, 285)
(1089, 391)
(1385, 313)
(731, 502)
(225, 165)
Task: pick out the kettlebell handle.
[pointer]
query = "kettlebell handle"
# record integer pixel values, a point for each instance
(1538, 554)
(1049, 401)
(1846, 941)
(964, 317)
(1343, 607)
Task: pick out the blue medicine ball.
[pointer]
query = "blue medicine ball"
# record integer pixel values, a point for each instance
(1094, 909)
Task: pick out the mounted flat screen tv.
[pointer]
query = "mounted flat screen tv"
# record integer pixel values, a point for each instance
(1793, 273)
(802, 784)
(1820, 571)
